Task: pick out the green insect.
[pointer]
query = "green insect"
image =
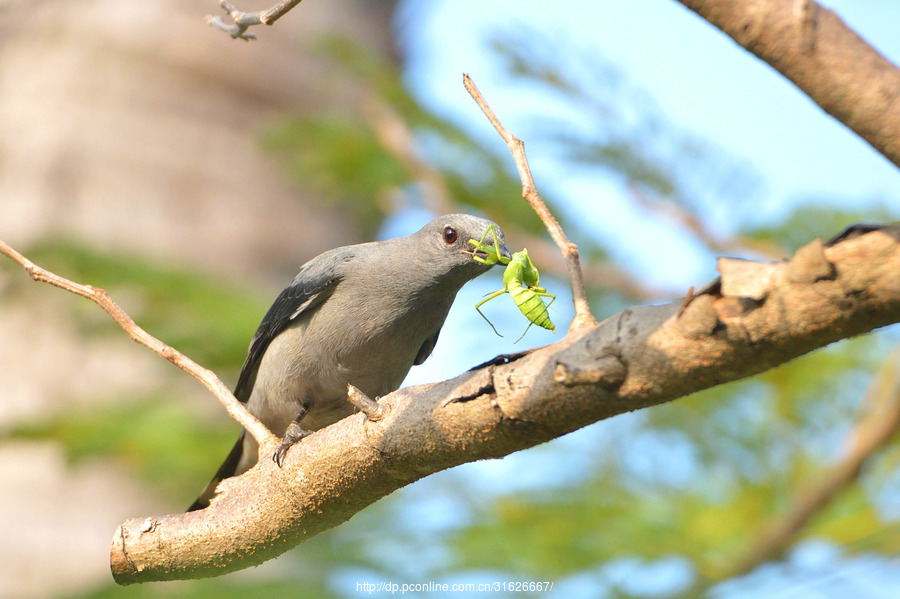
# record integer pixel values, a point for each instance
(521, 280)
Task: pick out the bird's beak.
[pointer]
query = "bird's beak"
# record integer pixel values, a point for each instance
(504, 251)
(485, 255)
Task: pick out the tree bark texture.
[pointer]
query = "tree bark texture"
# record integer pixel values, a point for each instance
(754, 317)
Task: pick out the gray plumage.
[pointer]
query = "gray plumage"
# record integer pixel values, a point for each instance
(361, 314)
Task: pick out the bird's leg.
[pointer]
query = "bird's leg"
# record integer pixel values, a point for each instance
(292, 436)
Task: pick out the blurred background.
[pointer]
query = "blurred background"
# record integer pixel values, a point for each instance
(191, 175)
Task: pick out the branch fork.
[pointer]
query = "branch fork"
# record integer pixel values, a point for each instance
(241, 21)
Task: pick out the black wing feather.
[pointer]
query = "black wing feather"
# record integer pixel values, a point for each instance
(314, 284)
(426, 348)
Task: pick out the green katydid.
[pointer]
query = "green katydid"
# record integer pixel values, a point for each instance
(520, 280)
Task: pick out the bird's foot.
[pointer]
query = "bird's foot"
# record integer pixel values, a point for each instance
(292, 436)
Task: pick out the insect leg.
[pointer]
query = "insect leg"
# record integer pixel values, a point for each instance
(480, 247)
(484, 301)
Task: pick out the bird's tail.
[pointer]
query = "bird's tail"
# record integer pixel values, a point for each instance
(226, 470)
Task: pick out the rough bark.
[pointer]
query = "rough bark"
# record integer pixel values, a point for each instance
(754, 317)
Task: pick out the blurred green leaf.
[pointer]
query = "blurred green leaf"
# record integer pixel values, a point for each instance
(204, 318)
(160, 440)
(809, 219)
(342, 158)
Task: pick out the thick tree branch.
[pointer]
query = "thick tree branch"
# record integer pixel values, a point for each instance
(583, 317)
(235, 409)
(811, 46)
(754, 317)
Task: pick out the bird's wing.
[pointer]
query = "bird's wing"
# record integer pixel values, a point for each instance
(313, 285)
(426, 348)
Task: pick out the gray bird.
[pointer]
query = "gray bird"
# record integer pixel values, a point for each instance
(361, 314)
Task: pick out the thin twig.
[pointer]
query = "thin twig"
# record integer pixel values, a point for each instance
(583, 317)
(373, 410)
(235, 409)
(240, 20)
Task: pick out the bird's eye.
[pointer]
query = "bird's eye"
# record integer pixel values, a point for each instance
(450, 235)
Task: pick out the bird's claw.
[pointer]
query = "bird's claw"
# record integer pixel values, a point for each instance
(292, 436)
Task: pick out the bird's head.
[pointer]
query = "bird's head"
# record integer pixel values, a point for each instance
(465, 243)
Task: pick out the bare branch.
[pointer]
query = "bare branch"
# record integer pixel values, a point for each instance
(812, 47)
(583, 317)
(235, 409)
(373, 410)
(754, 317)
(241, 21)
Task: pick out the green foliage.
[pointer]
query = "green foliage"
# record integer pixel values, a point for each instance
(344, 159)
(209, 321)
(159, 437)
(814, 218)
(161, 441)
(853, 522)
